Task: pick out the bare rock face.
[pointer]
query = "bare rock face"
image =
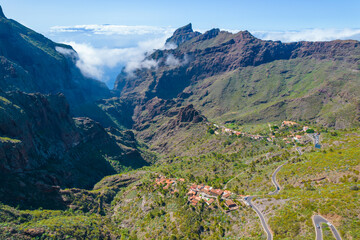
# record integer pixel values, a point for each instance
(189, 114)
(182, 35)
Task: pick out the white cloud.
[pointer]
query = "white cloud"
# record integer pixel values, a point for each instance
(172, 61)
(95, 61)
(309, 35)
(316, 34)
(92, 61)
(112, 29)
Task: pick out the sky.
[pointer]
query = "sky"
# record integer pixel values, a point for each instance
(111, 34)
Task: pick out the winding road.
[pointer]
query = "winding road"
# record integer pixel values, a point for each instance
(317, 220)
(273, 179)
(261, 216)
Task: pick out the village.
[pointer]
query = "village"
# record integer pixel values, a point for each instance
(225, 199)
(297, 134)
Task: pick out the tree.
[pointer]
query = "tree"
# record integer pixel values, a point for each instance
(310, 130)
(211, 131)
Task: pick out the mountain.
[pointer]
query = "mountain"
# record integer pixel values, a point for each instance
(239, 78)
(30, 62)
(43, 147)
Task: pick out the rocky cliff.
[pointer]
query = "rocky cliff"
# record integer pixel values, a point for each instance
(43, 149)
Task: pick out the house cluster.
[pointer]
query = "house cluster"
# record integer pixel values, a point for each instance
(225, 130)
(168, 183)
(295, 137)
(208, 195)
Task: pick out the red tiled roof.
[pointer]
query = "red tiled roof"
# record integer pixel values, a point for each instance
(226, 194)
(230, 203)
(191, 192)
(217, 191)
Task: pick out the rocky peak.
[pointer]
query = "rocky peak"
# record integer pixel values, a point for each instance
(244, 35)
(2, 13)
(209, 34)
(182, 35)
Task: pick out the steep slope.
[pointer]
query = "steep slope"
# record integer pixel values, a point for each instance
(237, 77)
(42, 149)
(30, 62)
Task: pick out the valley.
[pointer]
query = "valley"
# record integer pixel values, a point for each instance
(234, 137)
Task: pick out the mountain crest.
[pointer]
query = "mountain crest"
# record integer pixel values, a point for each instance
(182, 35)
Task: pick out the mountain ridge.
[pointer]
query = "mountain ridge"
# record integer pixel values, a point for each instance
(30, 62)
(217, 54)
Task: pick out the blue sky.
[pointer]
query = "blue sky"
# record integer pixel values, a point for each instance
(111, 34)
(204, 14)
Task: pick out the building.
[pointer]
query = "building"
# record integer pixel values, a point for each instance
(226, 194)
(216, 192)
(288, 123)
(209, 201)
(297, 137)
(230, 204)
(191, 193)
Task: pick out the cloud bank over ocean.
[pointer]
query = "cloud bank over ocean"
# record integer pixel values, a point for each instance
(105, 49)
(309, 35)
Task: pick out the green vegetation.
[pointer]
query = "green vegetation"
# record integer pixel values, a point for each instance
(283, 89)
(11, 140)
(321, 183)
(145, 210)
(54, 224)
(310, 130)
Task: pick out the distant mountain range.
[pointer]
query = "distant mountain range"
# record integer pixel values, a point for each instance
(239, 78)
